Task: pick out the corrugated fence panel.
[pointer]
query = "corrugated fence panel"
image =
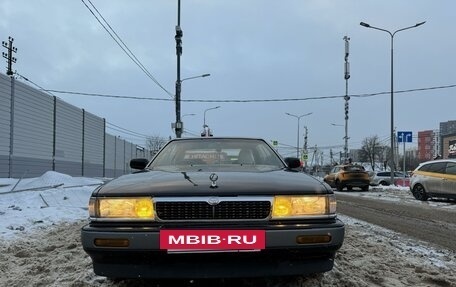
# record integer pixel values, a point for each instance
(78, 145)
(129, 149)
(120, 157)
(5, 124)
(68, 139)
(110, 155)
(94, 133)
(33, 132)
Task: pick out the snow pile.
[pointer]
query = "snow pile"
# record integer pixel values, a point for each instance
(49, 179)
(36, 203)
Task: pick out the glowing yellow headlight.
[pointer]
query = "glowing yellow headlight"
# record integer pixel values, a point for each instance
(291, 206)
(140, 208)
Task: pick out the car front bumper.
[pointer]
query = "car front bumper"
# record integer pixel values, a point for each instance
(281, 256)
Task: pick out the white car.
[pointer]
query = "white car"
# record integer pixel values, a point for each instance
(384, 177)
(436, 178)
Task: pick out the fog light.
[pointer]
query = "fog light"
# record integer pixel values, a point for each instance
(111, 242)
(313, 239)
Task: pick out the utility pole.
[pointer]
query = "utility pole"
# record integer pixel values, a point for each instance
(314, 157)
(9, 55)
(178, 125)
(347, 97)
(305, 148)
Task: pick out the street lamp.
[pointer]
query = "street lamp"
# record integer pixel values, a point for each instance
(204, 119)
(178, 126)
(188, 115)
(299, 118)
(392, 167)
(194, 77)
(206, 127)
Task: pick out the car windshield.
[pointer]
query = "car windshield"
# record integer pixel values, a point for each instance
(213, 154)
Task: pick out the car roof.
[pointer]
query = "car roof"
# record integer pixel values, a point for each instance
(439, 160)
(435, 161)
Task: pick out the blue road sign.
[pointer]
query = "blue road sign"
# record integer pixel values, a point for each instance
(404, 137)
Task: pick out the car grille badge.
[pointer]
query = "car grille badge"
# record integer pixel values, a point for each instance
(213, 177)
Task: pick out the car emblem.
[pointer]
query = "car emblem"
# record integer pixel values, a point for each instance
(213, 201)
(213, 177)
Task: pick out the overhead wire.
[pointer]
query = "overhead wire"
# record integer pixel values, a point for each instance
(128, 131)
(123, 46)
(110, 96)
(252, 100)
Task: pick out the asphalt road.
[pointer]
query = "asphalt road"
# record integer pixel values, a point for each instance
(421, 221)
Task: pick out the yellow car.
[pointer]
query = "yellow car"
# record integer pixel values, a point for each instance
(348, 176)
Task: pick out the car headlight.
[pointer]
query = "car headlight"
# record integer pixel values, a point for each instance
(302, 206)
(127, 208)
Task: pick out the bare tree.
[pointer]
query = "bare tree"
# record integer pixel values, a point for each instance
(372, 151)
(155, 143)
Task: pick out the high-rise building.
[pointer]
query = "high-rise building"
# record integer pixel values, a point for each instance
(428, 145)
(447, 128)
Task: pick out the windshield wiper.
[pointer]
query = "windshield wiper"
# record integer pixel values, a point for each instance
(188, 178)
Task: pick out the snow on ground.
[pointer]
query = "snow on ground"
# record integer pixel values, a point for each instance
(402, 194)
(34, 218)
(32, 203)
(398, 193)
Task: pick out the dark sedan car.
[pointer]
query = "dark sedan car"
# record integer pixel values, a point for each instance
(213, 207)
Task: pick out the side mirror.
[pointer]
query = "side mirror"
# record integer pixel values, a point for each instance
(292, 162)
(139, 163)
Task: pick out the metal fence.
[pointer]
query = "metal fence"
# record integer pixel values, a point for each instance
(40, 132)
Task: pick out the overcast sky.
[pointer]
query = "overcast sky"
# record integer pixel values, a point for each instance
(254, 50)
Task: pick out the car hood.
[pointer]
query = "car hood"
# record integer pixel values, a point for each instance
(161, 183)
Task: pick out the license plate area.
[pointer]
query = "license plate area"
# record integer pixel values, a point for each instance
(204, 241)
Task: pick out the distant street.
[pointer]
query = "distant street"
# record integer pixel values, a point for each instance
(422, 221)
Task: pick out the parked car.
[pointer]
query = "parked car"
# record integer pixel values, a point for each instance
(384, 177)
(348, 176)
(213, 207)
(435, 178)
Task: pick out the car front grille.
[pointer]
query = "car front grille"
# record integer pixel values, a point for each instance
(203, 210)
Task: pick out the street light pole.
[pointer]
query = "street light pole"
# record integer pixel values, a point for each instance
(347, 97)
(299, 118)
(178, 125)
(392, 166)
(205, 127)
